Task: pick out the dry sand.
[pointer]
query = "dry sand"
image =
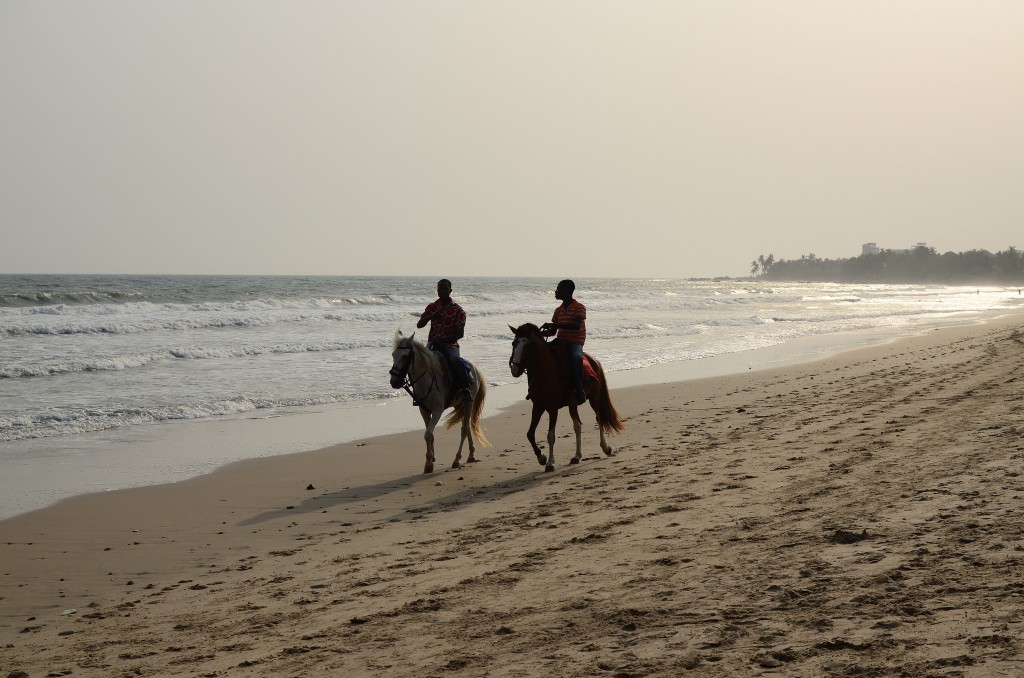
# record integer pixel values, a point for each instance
(858, 515)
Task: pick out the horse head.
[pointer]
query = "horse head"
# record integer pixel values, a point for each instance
(401, 358)
(524, 334)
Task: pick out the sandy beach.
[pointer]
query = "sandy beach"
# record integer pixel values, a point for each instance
(858, 515)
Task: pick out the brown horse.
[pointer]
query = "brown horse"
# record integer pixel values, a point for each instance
(422, 373)
(547, 377)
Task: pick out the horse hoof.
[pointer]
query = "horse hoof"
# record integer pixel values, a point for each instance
(456, 464)
(541, 459)
(574, 460)
(428, 469)
(549, 468)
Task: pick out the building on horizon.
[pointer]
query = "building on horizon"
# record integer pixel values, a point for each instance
(873, 248)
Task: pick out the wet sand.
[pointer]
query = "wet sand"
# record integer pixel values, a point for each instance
(858, 515)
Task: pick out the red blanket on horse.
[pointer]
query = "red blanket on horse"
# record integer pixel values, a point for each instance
(563, 362)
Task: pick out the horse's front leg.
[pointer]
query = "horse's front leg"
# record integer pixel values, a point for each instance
(531, 434)
(467, 433)
(577, 427)
(430, 419)
(552, 418)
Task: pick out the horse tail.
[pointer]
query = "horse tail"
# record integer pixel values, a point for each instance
(454, 418)
(607, 417)
(478, 409)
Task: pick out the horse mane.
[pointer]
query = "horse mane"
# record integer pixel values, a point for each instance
(409, 340)
(419, 350)
(528, 329)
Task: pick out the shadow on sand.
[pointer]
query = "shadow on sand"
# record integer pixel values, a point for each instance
(363, 493)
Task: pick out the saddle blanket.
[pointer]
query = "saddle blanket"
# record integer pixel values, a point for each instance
(588, 368)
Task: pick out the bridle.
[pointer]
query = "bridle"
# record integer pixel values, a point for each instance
(513, 363)
(408, 383)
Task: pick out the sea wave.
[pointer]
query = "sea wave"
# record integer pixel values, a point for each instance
(140, 318)
(70, 421)
(49, 299)
(131, 360)
(75, 351)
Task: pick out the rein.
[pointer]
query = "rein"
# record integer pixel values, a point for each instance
(512, 363)
(521, 365)
(410, 384)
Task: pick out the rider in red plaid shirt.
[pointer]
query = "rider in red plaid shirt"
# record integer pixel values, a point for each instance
(447, 325)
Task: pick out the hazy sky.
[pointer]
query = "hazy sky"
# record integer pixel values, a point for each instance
(549, 138)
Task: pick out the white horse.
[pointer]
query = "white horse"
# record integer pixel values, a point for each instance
(422, 373)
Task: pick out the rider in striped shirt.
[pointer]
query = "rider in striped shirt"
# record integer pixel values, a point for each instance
(569, 324)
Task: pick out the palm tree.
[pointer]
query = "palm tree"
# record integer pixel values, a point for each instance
(762, 264)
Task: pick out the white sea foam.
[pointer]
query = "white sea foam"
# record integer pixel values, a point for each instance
(86, 353)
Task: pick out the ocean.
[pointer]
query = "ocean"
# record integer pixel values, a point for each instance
(87, 361)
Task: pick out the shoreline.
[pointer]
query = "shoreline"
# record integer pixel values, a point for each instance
(36, 477)
(811, 516)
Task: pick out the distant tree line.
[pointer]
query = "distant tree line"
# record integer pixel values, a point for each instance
(919, 265)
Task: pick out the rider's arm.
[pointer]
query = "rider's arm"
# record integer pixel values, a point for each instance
(428, 314)
(573, 324)
(547, 329)
(459, 330)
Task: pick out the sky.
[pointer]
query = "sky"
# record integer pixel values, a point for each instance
(514, 138)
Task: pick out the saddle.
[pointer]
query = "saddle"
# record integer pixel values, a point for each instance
(562, 357)
(463, 364)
